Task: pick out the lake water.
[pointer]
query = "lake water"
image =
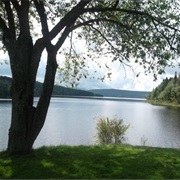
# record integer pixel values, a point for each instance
(72, 121)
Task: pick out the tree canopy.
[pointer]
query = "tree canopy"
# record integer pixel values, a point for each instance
(143, 30)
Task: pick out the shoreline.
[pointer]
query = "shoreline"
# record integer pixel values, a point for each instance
(163, 103)
(102, 98)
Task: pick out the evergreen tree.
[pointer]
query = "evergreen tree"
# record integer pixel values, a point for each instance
(167, 91)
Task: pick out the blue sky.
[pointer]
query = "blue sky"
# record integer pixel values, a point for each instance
(119, 80)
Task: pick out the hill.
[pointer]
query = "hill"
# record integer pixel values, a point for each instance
(167, 92)
(5, 84)
(120, 93)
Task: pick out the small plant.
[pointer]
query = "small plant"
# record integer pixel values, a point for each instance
(110, 131)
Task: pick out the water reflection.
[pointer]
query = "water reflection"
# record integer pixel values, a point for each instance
(5, 112)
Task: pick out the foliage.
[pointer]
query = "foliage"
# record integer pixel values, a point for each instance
(167, 91)
(110, 131)
(93, 162)
(147, 31)
(132, 31)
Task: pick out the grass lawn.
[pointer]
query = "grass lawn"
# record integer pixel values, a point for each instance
(85, 162)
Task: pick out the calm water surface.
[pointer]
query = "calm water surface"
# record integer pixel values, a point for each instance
(72, 121)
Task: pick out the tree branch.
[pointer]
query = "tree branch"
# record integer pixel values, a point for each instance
(100, 20)
(41, 11)
(164, 36)
(134, 12)
(116, 4)
(110, 44)
(111, 9)
(22, 12)
(71, 16)
(62, 38)
(15, 4)
(4, 29)
(3, 26)
(10, 18)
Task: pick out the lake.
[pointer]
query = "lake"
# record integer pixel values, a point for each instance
(72, 121)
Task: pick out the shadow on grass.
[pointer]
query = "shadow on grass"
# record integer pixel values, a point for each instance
(82, 162)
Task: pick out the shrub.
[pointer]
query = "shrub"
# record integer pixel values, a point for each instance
(110, 131)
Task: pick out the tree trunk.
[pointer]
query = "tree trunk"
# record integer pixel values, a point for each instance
(20, 140)
(22, 94)
(27, 120)
(44, 101)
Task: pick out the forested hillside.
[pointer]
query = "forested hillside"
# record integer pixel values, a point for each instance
(5, 84)
(120, 93)
(167, 91)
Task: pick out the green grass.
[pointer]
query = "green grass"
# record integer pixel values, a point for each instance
(85, 162)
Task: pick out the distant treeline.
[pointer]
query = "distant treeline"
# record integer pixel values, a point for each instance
(121, 93)
(5, 85)
(167, 91)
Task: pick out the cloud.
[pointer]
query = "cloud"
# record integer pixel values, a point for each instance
(5, 70)
(170, 72)
(4, 65)
(126, 79)
(121, 78)
(144, 83)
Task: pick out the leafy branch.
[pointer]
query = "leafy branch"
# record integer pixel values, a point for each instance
(133, 12)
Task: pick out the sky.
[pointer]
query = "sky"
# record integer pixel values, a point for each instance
(128, 81)
(121, 79)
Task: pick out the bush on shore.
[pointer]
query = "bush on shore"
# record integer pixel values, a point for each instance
(110, 131)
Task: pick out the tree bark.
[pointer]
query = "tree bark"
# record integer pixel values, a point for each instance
(44, 101)
(27, 120)
(22, 88)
